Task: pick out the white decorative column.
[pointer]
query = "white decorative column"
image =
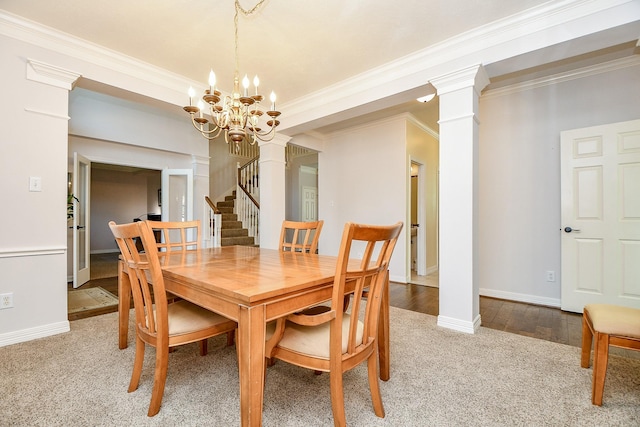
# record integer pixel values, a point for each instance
(458, 197)
(272, 190)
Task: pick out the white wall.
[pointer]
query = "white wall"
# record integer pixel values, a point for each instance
(34, 141)
(363, 177)
(119, 196)
(519, 188)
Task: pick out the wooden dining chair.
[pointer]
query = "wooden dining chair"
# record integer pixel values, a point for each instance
(170, 236)
(335, 341)
(610, 325)
(300, 236)
(176, 235)
(159, 323)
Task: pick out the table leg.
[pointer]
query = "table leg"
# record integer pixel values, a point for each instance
(250, 345)
(124, 305)
(383, 334)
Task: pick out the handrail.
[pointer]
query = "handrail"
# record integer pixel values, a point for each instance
(213, 207)
(242, 181)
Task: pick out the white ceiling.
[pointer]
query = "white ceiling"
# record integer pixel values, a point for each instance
(296, 47)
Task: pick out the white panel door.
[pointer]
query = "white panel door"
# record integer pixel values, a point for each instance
(177, 197)
(600, 180)
(309, 204)
(81, 223)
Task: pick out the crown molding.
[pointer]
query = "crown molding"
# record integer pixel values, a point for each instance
(558, 21)
(31, 32)
(545, 25)
(605, 67)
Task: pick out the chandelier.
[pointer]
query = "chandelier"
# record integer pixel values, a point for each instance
(237, 115)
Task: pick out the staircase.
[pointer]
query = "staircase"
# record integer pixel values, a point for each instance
(231, 231)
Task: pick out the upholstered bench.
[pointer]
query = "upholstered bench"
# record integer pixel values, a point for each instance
(611, 325)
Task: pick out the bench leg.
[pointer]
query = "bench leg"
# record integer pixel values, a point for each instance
(600, 360)
(587, 339)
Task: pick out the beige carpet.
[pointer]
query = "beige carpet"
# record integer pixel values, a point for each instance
(438, 378)
(89, 299)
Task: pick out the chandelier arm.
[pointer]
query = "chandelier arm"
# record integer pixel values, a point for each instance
(202, 130)
(209, 136)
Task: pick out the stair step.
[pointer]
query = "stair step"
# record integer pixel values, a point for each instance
(230, 241)
(229, 216)
(233, 232)
(231, 224)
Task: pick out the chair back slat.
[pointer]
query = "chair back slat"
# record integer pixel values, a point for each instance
(300, 236)
(176, 235)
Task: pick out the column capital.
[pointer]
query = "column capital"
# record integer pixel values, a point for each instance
(278, 139)
(51, 75)
(474, 76)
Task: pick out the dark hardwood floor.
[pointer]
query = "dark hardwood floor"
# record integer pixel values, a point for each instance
(547, 323)
(535, 321)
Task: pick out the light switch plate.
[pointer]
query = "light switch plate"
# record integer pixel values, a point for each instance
(35, 183)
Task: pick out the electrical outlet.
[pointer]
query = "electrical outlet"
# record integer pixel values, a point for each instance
(6, 300)
(551, 276)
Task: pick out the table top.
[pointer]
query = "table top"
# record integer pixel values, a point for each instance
(247, 274)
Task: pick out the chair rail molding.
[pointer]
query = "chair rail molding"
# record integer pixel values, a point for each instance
(36, 251)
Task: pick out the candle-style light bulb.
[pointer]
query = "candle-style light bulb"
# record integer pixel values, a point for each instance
(212, 81)
(191, 93)
(245, 84)
(256, 83)
(200, 106)
(273, 101)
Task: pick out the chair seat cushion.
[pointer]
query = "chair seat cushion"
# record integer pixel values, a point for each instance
(614, 319)
(185, 317)
(314, 340)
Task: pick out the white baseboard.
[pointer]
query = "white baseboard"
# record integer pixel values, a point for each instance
(397, 279)
(460, 325)
(512, 296)
(29, 334)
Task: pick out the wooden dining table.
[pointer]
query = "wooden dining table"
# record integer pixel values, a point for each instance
(252, 286)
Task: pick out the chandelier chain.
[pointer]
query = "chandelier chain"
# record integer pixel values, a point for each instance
(244, 12)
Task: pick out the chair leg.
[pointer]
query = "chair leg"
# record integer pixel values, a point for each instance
(587, 339)
(137, 365)
(600, 360)
(374, 385)
(159, 379)
(231, 337)
(203, 347)
(337, 398)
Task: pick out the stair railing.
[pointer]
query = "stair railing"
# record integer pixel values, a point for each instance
(248, 196)
(212, 225)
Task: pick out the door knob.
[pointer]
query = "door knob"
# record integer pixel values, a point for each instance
(569, 230)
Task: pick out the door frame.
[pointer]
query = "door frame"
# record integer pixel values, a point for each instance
(421, 237)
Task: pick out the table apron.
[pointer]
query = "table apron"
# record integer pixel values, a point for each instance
(274, 307)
